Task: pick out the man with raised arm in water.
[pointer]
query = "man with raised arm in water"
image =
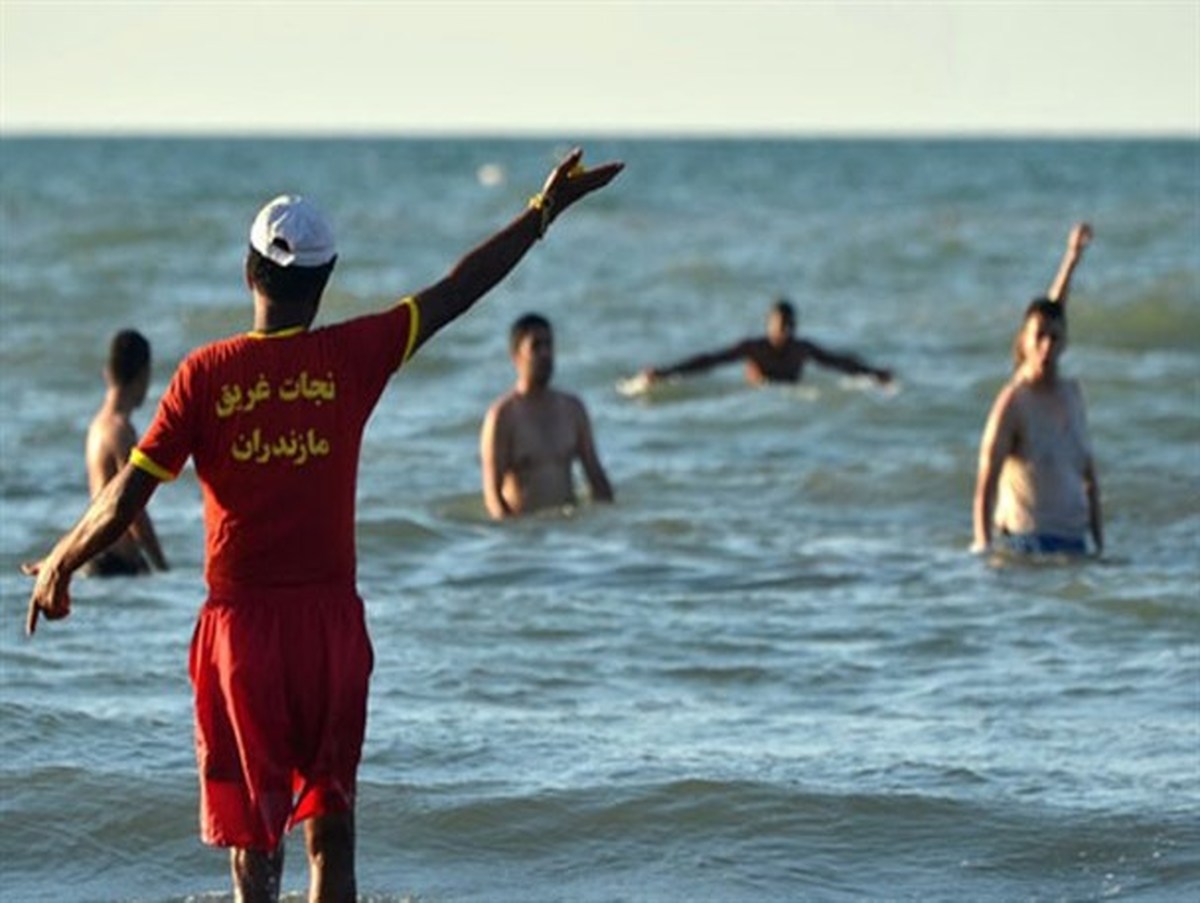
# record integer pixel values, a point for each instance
(776, 357)
(1037, 485)
(273, 420)
(110, 439)
(533, 435)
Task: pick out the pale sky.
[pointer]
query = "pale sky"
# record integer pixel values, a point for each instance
(574, 67)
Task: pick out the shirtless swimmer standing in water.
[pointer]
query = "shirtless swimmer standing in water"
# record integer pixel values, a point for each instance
(1037, 488)
(532, 436)
(110, 439)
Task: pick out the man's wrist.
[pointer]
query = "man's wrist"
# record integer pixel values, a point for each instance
(542, 204)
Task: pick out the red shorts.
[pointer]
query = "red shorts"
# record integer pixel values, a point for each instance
(280, 677)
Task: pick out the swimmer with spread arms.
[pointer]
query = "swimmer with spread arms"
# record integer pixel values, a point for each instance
(777, 357)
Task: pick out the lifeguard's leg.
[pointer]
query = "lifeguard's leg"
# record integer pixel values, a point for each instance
(256, 875)
(330, 840)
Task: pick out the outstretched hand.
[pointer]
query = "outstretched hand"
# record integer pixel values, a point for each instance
(570, 181)
(51, 595)
(1080, 237)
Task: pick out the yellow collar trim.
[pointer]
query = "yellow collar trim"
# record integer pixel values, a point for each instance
(277, 333)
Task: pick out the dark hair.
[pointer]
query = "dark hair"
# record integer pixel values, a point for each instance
(783, 307)
(287, 285)
(1048, 310)
(523, 326)
(1044, 307)
(128, 356)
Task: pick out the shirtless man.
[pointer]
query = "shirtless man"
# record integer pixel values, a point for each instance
(777, 357)
(532, 436)
(110, 439)
(1037, 484)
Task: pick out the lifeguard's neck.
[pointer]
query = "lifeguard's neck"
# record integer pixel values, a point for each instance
(271, 316)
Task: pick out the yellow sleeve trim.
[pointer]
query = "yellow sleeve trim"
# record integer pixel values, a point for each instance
(141, 460)
(414, 326)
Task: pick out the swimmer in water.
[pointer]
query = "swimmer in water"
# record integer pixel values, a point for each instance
(1037, 489)
(779, 356)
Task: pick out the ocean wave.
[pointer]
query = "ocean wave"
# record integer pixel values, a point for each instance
(1165, 313)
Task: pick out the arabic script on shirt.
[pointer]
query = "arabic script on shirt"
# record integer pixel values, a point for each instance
(238, 400)
(297, 447)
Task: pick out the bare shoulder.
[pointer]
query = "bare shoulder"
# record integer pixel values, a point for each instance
(1008, 400)
(569, 398)
(109, 430)
(1012, 392)
(500, 411)
(571, 404)
(1075, 397)
(503, 404)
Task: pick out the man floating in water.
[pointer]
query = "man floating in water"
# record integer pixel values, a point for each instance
(777, 357)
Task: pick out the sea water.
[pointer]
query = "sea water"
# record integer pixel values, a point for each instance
(771, 671)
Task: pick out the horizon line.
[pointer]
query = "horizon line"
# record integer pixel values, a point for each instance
(594, 133)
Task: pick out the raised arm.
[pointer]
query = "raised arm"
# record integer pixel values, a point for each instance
(845, 363)
(1077, 240)
(109, 515)
(484, 266)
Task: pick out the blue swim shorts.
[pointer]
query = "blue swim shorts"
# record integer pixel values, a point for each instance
(1042, 544)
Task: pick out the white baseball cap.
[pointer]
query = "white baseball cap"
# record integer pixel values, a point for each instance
(292, 232)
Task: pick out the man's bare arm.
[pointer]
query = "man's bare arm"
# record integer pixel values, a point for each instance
(106, 519)
(143, 532)
(997, 442)
(142, 528)
(493, 458)
(1078, 239)
(597, 479)
(484, 266)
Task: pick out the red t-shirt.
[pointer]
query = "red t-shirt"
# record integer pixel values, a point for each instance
(274, 424)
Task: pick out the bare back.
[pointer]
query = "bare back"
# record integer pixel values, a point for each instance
(110, 439)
